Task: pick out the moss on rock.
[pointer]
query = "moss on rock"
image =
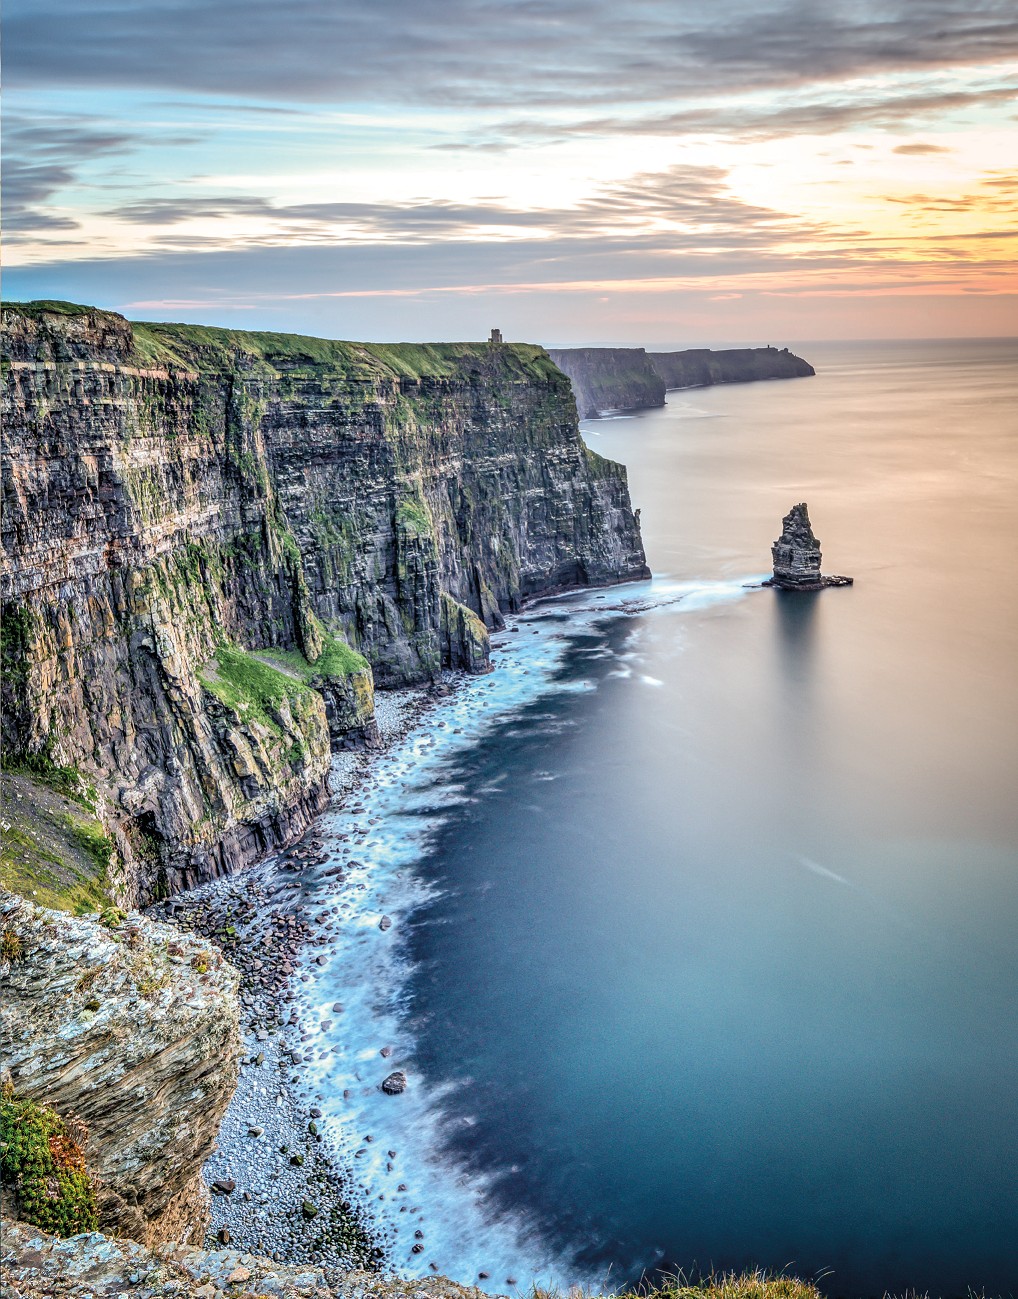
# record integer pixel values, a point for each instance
(45, 1181)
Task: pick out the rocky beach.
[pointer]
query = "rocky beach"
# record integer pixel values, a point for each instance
(277, 1187)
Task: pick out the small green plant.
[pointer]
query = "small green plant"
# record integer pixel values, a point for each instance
(112, 917)
(11, 946)
(200, 963)
(152, 983)
(730, 1285)
(45, 1181)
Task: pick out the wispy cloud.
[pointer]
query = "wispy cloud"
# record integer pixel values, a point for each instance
(917, 150)
(688, 205)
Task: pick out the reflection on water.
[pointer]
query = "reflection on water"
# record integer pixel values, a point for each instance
(796, 613)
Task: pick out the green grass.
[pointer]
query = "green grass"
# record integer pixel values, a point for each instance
(66, 781)
(249, 686)
(337, 659)
(53, 849)
(728, 1285)
(52, 307)
(732, 1285)
(208, 347)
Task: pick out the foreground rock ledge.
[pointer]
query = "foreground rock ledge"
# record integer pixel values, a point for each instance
(34, 1264)
(133, 1030)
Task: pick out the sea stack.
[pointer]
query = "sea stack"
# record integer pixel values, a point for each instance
(797, 556)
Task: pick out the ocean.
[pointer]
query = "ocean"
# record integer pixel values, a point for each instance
(704, 903)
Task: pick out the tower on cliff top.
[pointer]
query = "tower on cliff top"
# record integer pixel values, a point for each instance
(796, 555)
(496, 336)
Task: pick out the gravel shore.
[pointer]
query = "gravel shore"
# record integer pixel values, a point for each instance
(275, 1188)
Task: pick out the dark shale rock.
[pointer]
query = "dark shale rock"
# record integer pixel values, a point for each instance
(340, 513)
(395, 1083)
(796, 555)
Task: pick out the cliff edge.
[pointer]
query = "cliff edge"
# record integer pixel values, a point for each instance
(610, 378)
(215, 543)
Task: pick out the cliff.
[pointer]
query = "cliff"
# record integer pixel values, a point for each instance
(131, 1029)
(700, 367)
(610, 378)
(215, 542)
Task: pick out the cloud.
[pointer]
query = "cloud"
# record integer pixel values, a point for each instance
(40, 159)
(919, 149)
(492, 54)
(43, 156)
(681, 208)
(997, 195)
(824, 111)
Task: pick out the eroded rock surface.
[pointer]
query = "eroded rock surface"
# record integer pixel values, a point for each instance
(610, 378)
(34, 1265)
(133, 1030)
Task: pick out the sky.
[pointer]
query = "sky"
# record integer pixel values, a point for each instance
(664, 173)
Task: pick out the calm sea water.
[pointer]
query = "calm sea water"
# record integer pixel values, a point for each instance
(706, 902)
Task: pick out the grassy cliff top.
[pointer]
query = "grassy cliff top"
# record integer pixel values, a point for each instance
(207, 347)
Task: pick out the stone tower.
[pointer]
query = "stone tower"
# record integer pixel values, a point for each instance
(796, 555)
(496, 336)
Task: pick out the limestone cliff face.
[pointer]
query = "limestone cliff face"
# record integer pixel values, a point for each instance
(610, 378)
(700, 367)
(214, 542)
(134, 1031)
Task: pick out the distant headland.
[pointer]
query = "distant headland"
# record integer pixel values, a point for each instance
(630, 378)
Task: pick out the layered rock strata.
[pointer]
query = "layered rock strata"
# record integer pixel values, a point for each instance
(796, 555)
(133, 1031)
(610, 378)
(700, 367)
(215, 542)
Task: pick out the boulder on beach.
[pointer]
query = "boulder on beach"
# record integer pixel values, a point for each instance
(395, 1083)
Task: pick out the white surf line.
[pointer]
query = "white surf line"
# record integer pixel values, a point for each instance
(353, 1003)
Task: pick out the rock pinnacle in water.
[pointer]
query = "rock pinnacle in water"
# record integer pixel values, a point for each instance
(796, 555)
